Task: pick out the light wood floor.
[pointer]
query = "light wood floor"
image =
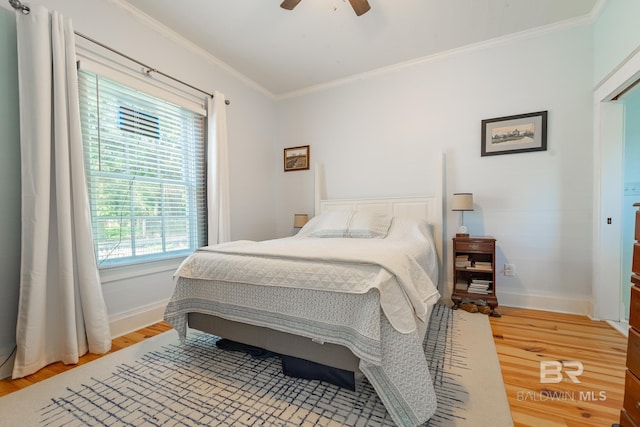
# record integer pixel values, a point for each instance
(523, 338)
(9, 386)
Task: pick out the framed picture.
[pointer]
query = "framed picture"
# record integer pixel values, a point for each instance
(296, 158)
(514, 134)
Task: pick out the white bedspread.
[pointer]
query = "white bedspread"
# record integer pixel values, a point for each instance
(402, 267)
(331, 290)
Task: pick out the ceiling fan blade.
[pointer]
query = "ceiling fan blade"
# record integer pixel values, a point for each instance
(360, 7)
(289, 4)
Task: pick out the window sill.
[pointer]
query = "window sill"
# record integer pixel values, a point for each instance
(117, 273)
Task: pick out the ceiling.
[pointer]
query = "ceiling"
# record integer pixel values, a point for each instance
(322, 41)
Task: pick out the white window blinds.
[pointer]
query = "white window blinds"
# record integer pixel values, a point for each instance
(144, 160)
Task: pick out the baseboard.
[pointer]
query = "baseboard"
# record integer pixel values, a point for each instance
(622, 327)
(141, 317)
(572, 305)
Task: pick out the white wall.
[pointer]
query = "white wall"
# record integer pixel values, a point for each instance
(616, 35)
(136, 296)
(377, 135)
(616, 64)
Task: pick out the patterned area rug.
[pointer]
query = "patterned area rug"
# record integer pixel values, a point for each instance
(162, 383)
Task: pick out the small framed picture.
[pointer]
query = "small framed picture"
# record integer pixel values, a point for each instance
(514, 134)
(296, 158)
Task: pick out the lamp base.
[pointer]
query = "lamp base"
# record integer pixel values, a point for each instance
(462, 234)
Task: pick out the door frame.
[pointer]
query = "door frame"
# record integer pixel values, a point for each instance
(608, 135)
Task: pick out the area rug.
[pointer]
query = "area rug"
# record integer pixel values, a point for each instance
(160, 382)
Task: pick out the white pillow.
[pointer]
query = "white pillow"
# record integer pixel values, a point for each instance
(348, 224)
(329, 224)
(367, 225)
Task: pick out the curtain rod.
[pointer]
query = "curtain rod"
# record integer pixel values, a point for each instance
(16, 4)
(148, 69)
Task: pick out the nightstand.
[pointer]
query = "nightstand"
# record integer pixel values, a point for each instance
(474, 271)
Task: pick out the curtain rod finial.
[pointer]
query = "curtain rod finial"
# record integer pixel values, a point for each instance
(16, 4)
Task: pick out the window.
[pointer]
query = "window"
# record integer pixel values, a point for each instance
(144, 160)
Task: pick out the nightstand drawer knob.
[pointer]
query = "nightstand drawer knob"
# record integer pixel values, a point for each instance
(637, 405)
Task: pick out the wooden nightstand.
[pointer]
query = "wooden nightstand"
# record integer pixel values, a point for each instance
(474, 271)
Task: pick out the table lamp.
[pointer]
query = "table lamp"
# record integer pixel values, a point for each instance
(462, 202)
(299, 220)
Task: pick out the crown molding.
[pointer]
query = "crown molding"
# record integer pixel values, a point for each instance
(597, 9)
(487, 44)
(148, 21)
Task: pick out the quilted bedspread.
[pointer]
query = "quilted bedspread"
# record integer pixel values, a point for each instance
(365, 295)
(402, 267)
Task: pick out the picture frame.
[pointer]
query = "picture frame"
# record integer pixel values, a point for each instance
(296, 158)
(521, 133)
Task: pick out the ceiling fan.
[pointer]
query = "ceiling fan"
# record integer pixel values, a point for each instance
(360, 7)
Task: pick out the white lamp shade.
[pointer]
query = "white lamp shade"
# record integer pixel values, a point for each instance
(299, 220)
(462, 202)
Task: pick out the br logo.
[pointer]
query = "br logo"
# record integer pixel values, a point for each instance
(551, 371)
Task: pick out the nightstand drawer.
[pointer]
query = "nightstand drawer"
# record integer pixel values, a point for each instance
(632, 395)
(633, 352)
(474, 247)
(635, 265)
(634, 309)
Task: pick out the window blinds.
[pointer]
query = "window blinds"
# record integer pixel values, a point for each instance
(144, 160)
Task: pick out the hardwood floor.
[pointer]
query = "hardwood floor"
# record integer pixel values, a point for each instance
(523, 338)
(9, 386)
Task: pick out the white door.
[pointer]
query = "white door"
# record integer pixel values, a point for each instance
(608, 216)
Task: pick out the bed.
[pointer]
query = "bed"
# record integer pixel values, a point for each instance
(355, 296)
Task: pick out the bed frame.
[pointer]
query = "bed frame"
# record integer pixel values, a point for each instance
(429, 208)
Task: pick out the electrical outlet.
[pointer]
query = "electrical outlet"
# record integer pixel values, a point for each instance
(509, 270)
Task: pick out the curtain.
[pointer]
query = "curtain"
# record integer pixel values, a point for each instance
(61, 313)
(218, 212)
